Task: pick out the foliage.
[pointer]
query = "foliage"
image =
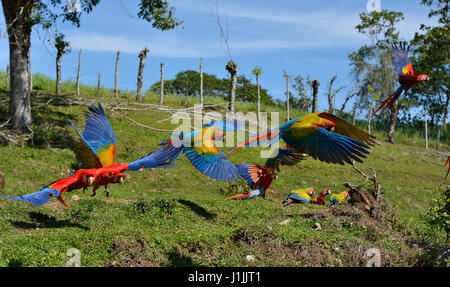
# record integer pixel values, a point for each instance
(438, 217)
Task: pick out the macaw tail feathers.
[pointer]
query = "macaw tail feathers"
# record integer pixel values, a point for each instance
(287, 202)
(389, 101)
(243, 195)
(272, 136)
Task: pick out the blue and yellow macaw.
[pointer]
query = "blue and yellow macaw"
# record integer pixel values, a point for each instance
(337, 198)
(259, 178)
(405, 74)
(200, 148)
(321, 135)
(299, 196)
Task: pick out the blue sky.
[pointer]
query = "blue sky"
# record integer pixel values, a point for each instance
(302, 37)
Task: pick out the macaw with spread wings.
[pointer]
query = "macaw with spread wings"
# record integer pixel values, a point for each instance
(200, 148)
(321, 135)
(95, 153)
(259, 178)
(405, 74)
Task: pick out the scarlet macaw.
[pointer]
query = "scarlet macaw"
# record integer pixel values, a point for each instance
(97, 149)
(199, 147)
(299, 196)
(259, 178)
(337, 198)
(405, 73)
(320, 198)
(448, 160)
(321, 135)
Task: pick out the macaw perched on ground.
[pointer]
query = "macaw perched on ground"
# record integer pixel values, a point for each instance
(320, 198)
(406, 76)
(299, 196)
(447, 162)
(321, 135)
(259, 178)
(200, 148)
(337, 198)
(97, 149)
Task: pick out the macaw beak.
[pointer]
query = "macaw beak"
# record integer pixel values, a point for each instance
(90, 180)
(120, 180)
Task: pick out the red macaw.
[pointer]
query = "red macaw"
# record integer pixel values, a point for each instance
(321, 135)
(80, 179)
(200, 148)
(299, 196)
(447, 162)
(320, 198)
(259, 178)
(97, 149)
(406, 76)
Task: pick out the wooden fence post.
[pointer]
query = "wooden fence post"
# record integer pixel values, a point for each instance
(78, 74)
(161, 88)
(116, 77)
(98, 85)
(426, 129)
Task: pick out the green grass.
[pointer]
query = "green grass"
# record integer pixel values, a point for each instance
(179, 217)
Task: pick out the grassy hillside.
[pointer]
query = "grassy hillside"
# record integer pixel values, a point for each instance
(179, 217)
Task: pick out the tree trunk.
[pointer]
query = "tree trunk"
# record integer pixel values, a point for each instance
(19, 43)
(259, 97)
(444, 120)
(370, 115)
(7, 77)
(186, 94)
(426, 129)
(354, 116)
(116, 77)
(58, 72)
(142, 57)
(231, 67)
(98, 85)
(438, 138)
(201, 83)
(392, 122)
(287, 99)
(30, 72)
(78, 74)
(315, 85)
(161, 88)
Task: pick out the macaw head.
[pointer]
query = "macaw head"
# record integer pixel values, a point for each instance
(88, 179)
(422, 78)
(345, 194)
(219, 136)
(326, 124)
(311, 191)
(326, 191)
(274, 176)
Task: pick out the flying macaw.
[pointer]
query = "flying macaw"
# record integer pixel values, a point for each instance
(200, 148)
(405, 74)
(259, 178)
(447, 162)
(337, 198)
(321, 135)
(299, 196)
(320, 198)
(79, 179)
(97, 149)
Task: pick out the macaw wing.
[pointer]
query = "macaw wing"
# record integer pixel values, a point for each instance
(99, 135)
(327, 146)
(250, 172)
(214, 165)
(285, 156)
(85, 154)
(344, 128)
(402, 64)
(161, 158)
(227, 125)
(298, 196)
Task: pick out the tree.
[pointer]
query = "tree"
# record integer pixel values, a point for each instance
(288, 77)
(303, 101)
(62, 47)
(315, 86)
(257, 71)
(371, 64)
(142, 57)
(22, 15)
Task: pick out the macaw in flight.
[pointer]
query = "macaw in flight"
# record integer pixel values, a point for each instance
(337, 198)
(200, 148)
(447, 162)
(299, 196)
(321, 135)
(405, 74)
(320, 198)
(259, 178)
(96, 154)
